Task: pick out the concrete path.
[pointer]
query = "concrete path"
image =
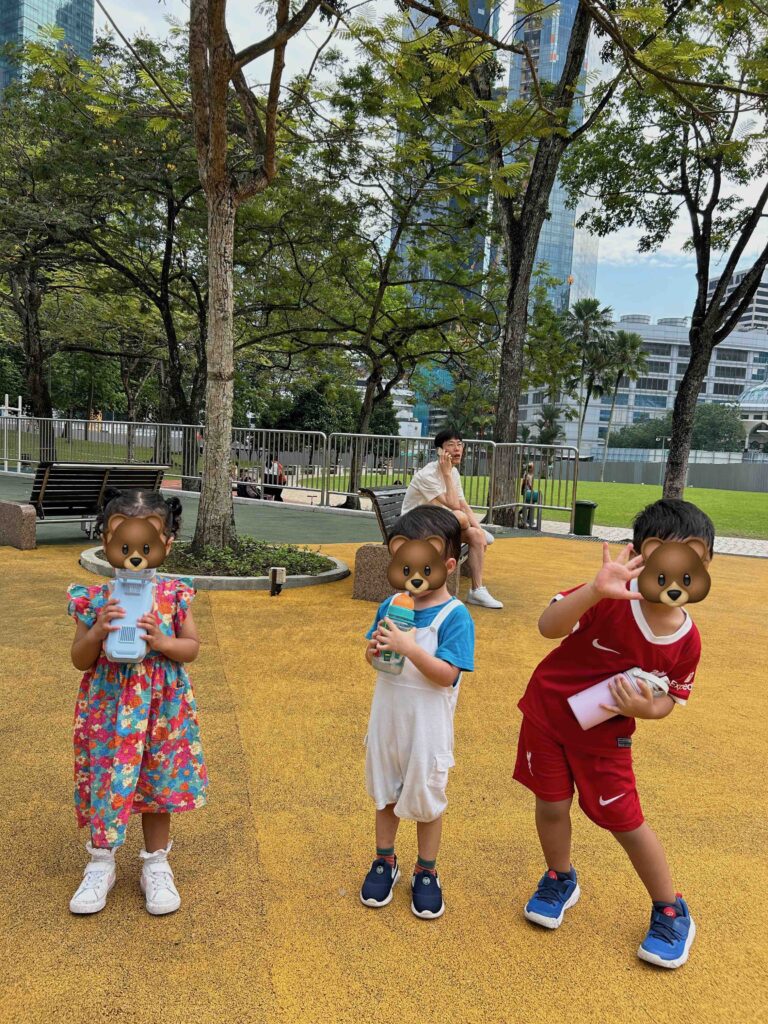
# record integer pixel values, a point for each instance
(302, 524)
(621, 534)
(271, 930)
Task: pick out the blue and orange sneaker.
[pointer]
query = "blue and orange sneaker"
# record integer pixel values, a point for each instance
(379, 883)
(426, 895)
(670, 935)
(555, 894)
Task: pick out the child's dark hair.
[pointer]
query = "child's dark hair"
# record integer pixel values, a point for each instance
(140, 503)
(430, 521)
(672, 519)
(448, 434)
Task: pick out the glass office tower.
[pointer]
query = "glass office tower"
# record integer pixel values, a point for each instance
(570, 252)
(23, 20)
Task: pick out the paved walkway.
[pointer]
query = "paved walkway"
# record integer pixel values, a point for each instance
(621, 534)
(271, 930)
(296, 524)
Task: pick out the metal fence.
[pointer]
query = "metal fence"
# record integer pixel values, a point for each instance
(530, 478)
(316, 468)
(369, 460)
(695, 457)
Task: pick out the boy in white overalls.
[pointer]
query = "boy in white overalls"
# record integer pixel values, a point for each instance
(410, 732)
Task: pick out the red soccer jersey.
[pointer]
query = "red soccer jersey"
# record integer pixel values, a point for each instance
(610, 637)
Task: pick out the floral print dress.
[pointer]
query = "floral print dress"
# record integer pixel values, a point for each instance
(137, 738)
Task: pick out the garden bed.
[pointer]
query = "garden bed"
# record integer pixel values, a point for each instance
(246, 568)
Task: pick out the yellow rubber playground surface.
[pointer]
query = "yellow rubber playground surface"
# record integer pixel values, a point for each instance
(271, 929)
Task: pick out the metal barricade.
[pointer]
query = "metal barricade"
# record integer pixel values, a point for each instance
(387, 460)
(273, 461)
(309, 463)
(552, 482)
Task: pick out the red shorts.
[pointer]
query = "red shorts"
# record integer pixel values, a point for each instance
(605, 780)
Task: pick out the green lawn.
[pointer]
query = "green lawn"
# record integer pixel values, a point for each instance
(734, 513)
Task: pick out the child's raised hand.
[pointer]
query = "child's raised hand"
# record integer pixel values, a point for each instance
(611, 581)
(104, 624)
(153, 635)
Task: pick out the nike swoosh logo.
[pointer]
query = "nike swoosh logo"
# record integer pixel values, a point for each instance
(599, 646)
(604, 803)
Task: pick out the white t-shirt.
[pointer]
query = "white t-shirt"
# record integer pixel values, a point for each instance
(427, 484)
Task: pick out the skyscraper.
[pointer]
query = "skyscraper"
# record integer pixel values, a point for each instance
(569, 252)
(23, 20)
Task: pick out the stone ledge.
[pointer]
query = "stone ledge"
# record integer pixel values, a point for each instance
(371, 583)
(93, 563)
(18, 525)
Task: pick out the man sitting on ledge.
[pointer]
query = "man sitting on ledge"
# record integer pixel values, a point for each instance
(439, 483)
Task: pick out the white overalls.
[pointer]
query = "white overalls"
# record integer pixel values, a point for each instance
(410, 736)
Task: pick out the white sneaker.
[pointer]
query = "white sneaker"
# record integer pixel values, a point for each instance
(483, 598)
(489, 538)
(98, 878)
(157, 882)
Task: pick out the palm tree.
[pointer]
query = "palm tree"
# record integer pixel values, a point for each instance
(591, 328)
(549, 426)
(628, 361)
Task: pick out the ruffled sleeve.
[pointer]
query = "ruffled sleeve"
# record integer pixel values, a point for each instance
(185, 595)
(84, 602)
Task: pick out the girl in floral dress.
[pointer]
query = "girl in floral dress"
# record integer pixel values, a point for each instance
(137, 739)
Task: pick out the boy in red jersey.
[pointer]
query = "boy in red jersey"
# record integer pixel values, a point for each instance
(608, 628)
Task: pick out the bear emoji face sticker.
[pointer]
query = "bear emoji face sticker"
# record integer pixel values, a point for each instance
(674, 572)
(417, 565)
(135, 542)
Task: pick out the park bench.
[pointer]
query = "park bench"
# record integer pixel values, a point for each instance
(372, 560)
(70, 492)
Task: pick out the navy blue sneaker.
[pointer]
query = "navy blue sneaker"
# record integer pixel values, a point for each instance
(426, 895)
(552, 898)
(379, 883)
(670, 935)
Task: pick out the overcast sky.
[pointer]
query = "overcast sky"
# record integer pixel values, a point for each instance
(660, 284)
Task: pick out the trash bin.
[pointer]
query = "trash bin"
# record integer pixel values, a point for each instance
(584, 518)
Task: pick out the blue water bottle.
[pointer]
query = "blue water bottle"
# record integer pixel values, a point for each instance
(401, 614)
(136, 593)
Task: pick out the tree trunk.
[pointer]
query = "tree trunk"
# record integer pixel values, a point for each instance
(520, 231)
(363, 423)
(684, 412)
(583, 417)
(27, 292)
(131, 437)
(215, 520)
(608, 431)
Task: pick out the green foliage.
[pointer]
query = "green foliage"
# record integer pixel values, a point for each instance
(11, 370)
(590, 327)
(716, 428)
(384, 419)
(666, 151)
(552, 353)
(550, 430)
(248, 557)
(105, 211)
(326, 405)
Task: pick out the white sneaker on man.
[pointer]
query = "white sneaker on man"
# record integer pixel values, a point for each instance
(98, 878)
(162, 896)
(483, 598)
(489, 538)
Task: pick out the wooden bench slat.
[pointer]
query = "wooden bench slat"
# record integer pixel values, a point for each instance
(62, 490)
(388, 504)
